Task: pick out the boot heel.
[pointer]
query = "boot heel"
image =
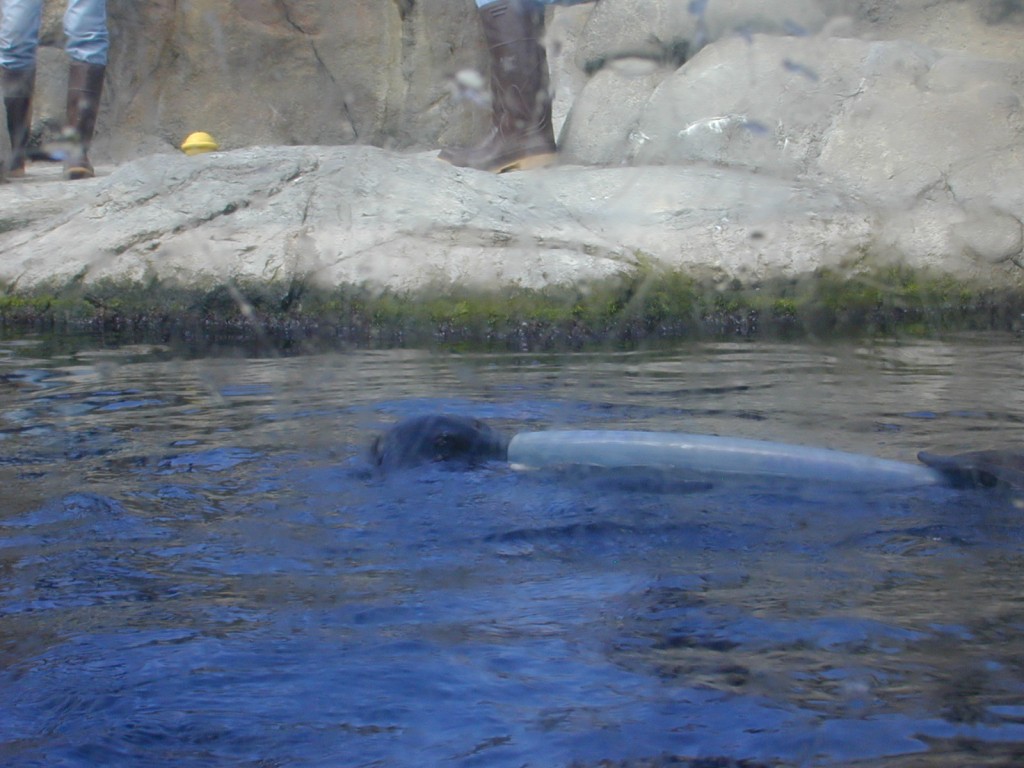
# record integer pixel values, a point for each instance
(531, 163)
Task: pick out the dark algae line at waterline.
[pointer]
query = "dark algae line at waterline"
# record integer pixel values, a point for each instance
(645, 305)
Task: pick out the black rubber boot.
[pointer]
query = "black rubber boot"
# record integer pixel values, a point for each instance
(521, 135)
(85, 86)
(18, 85)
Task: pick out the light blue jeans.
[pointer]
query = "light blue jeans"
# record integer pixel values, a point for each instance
(85, 27)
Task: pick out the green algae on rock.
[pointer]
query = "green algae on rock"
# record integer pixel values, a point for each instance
(645, 306)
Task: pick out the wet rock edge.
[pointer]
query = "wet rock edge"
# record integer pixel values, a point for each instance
(645, 306)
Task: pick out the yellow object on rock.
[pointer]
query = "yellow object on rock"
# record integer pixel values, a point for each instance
(199, 142)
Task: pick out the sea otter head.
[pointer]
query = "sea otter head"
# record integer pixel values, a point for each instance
(454, 440)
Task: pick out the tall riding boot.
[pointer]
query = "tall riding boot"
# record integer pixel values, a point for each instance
(521, 135)
(18, 85)
(85, 86)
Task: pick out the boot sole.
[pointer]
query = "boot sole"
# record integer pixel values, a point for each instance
(529, 163)
(78, 172)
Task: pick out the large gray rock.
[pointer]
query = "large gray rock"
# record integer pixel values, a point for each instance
(714, 86)
(368, 217)
(987, 28)
(763, 102)
(601, 127)
(674, 31)
(894, 124)
(905, 131)
(885, 138)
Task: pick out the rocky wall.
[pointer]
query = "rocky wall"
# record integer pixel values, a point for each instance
(733, 141)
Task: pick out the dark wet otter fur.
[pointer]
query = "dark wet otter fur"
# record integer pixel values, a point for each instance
(456, 440)
(1002, 470)
(467, 442)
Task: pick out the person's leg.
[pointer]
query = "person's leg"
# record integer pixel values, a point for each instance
(521, 135)
(85, 26)
(19, 33)
(19, 38)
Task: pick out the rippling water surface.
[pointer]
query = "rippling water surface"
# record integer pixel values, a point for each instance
(198, 568)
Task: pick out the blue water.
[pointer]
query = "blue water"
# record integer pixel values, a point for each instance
(199, 568)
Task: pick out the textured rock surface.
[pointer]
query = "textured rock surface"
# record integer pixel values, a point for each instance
(360, 215)
(275, 72)
(729, 139)
(379, 72)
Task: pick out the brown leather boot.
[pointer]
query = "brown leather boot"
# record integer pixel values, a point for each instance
(521, 135)
(85, 86)
(18, 85)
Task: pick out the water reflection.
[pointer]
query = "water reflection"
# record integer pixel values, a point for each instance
(197, 567)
